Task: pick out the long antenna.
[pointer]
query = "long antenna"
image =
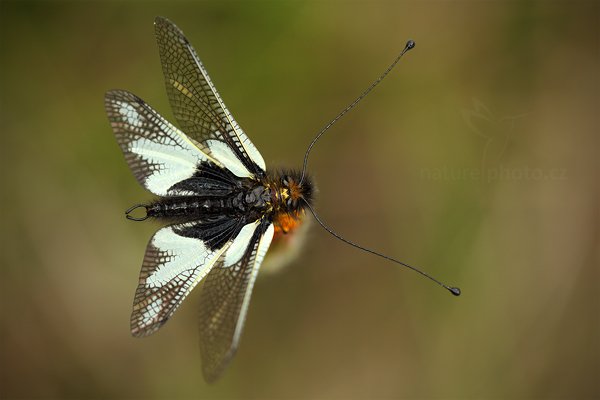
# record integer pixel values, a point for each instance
(454, 290)
(409, 45)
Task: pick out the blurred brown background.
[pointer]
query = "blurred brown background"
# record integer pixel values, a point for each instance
(475, 160)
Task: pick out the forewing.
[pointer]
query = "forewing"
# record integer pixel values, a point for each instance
(158, 154)
(224, 303)
(177, 258)
(198, 107)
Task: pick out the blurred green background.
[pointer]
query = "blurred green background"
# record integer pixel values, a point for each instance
(475, 160)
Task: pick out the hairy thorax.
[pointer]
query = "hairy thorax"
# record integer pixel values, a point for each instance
(288, 199)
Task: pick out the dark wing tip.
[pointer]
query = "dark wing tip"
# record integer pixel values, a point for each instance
(112, 94)
(121, 95)
(213, 371)
(211, 376)
(159, 20)
(113, 97)
(164, 26)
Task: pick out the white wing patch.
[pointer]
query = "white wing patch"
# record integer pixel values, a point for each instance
(173, 266)
(263, 246)
(222, 152)
(240, 244)
(175, 161)
(159, 154)
(186, 258)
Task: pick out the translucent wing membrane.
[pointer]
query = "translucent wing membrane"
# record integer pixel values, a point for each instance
(211, 161)
(177, 258)
(198, 107)
(224, 303)
(158, 154)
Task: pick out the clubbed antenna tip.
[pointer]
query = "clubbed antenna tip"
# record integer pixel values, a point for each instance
(409, 45)
(454, 290)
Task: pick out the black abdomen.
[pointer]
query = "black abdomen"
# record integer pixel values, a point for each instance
(191, 207)
(243, 202)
